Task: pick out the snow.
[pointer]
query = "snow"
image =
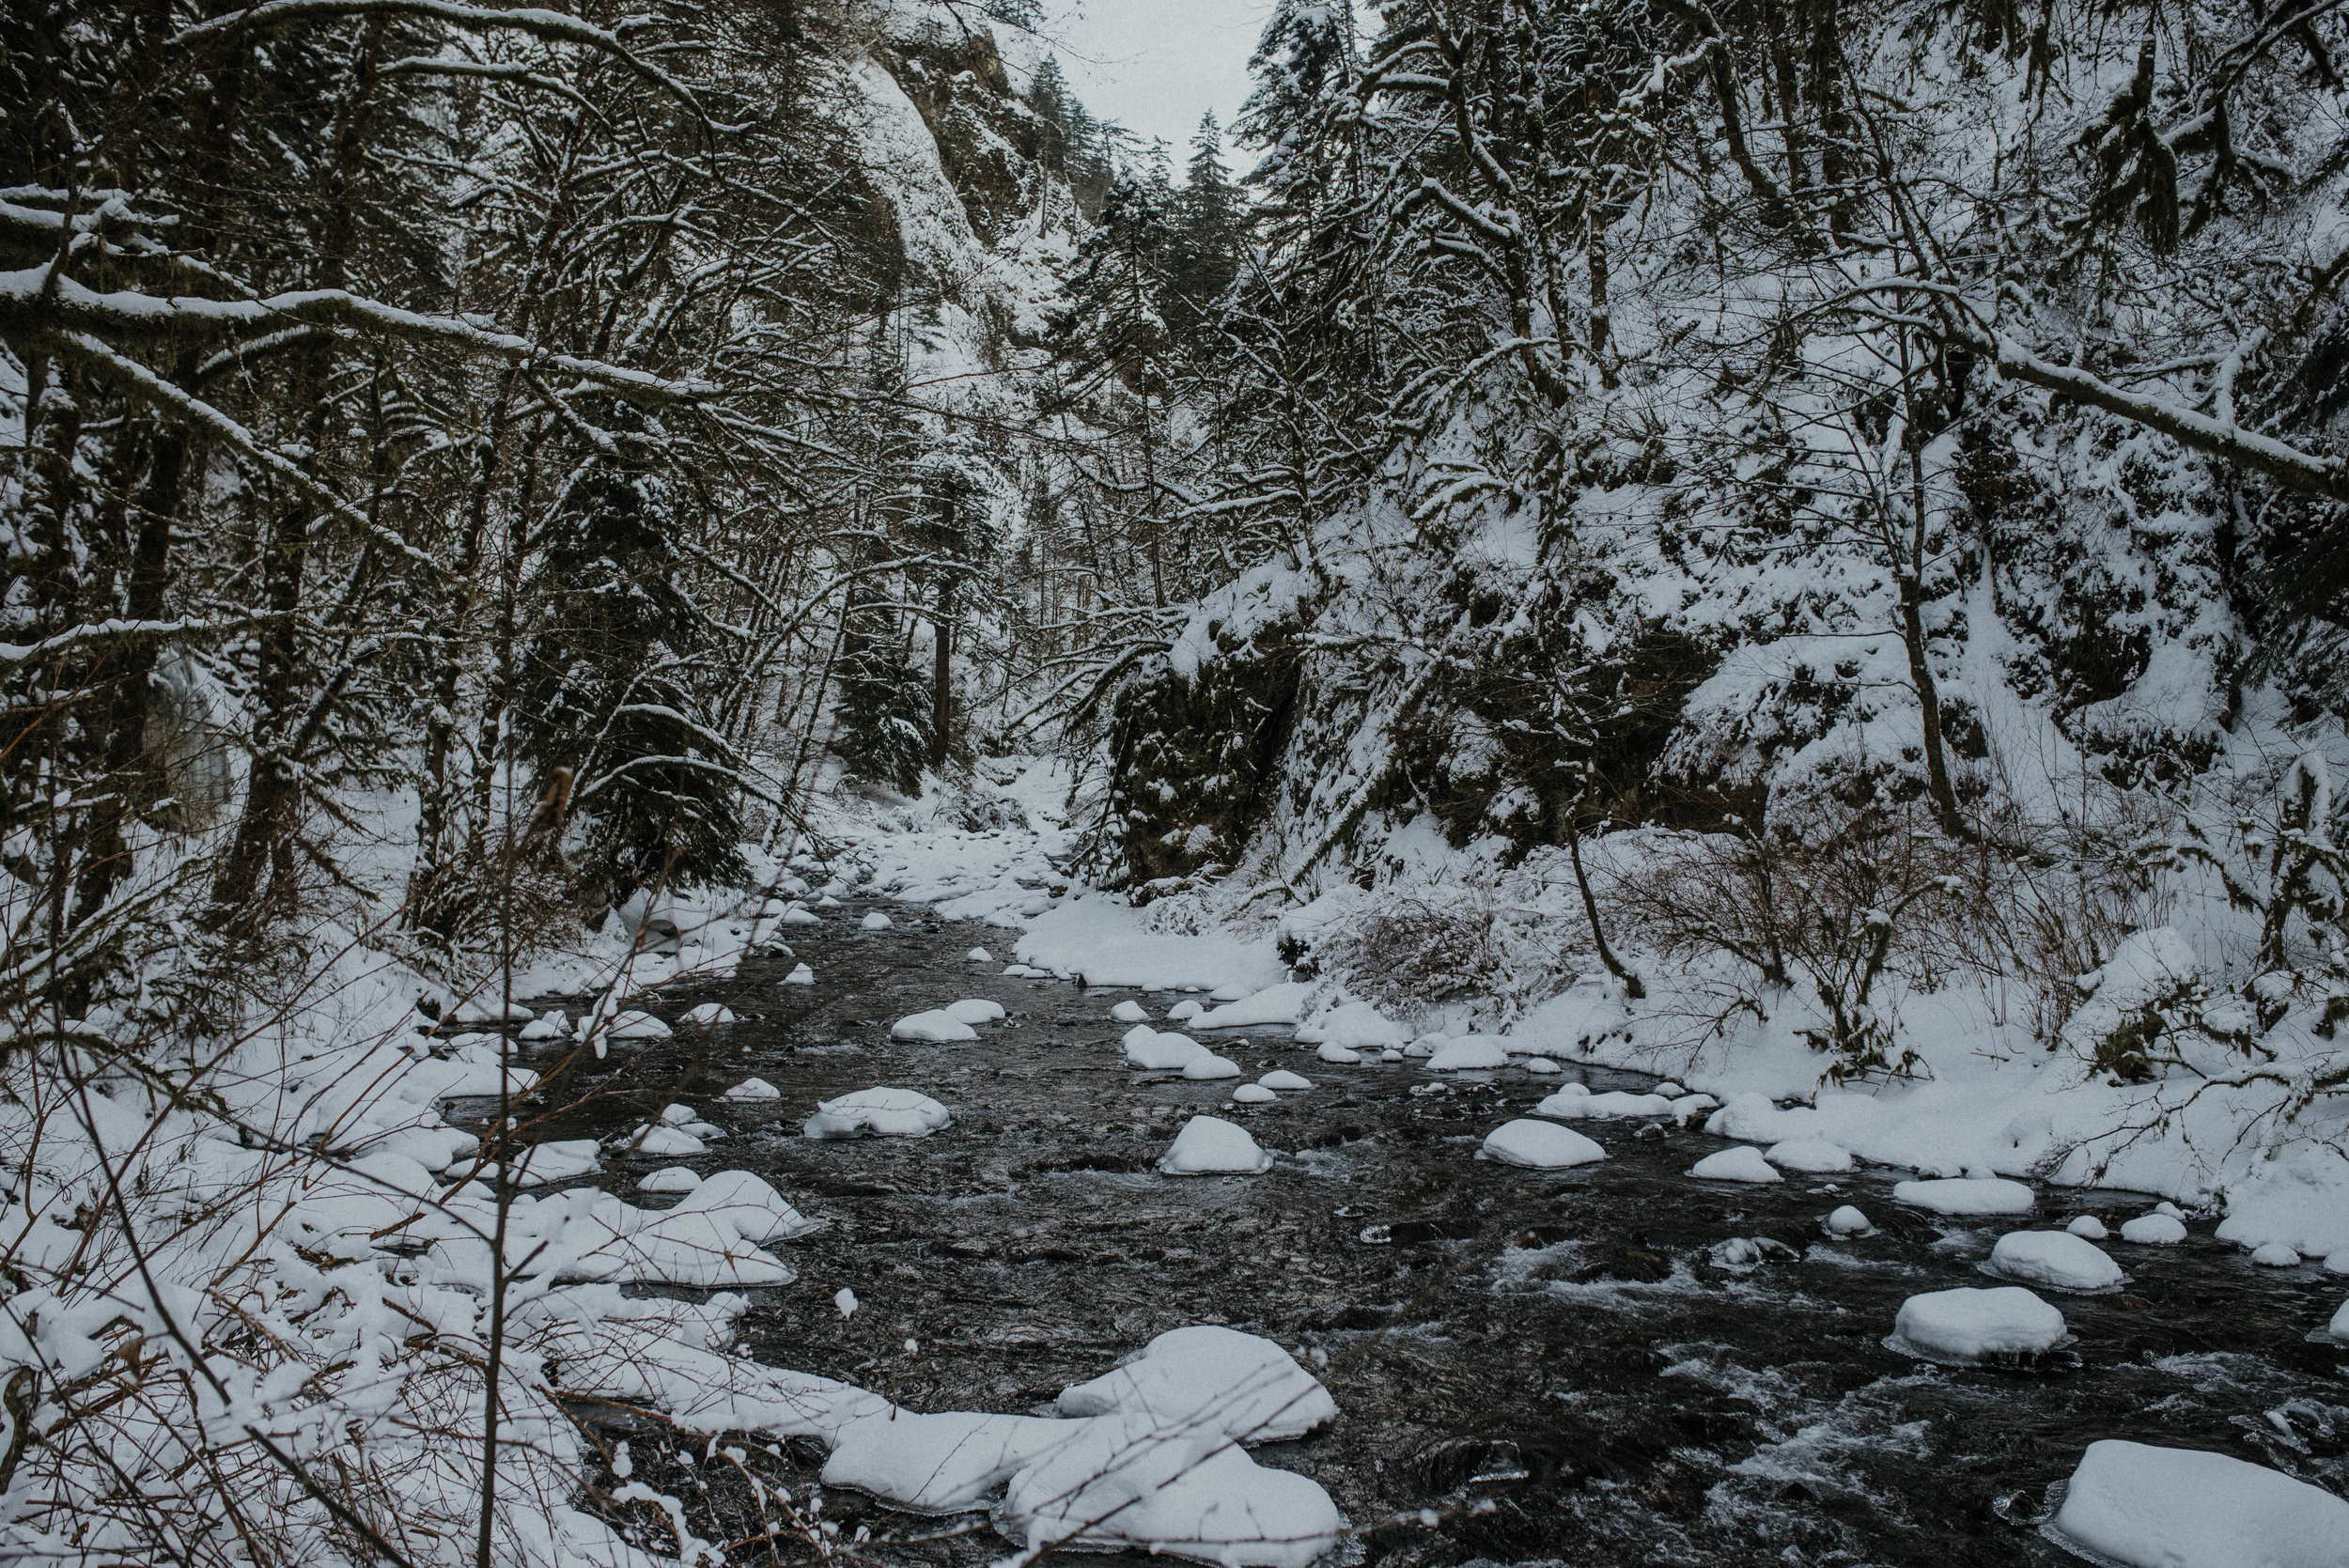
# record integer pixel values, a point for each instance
(747, 1205)
(1970, 1324)
(1107, 941)
(1274, 1005)
(1847, 1220)
(1130, 1011)
(1159, 1052)
(1186, 1010)
(974, 1010)
(1210, 1378)
(2147, 1506)
(1812, 1155)
(1342, 1056)
(979, 956)
(1469, 1053)
(936, 1026)
(1281, 1078)
(1536, 1065)
(2154, 1230)
(635, 1026)
(876, 922)
(1207, 1067)
(2274, 1254)
(708, 1013)
(1541, 1146)
(800, 975)
(670, 1178)
(1576, 1101)
(1964, 1195)
(1208, 1145)
(752, 1089)
(661, 1142)
(1356, 1025)
(1744, 1163)
(888, 1112)
(1254, 1094)
(2088, 1227)
(845, 1300)
(2057, 1259)
(2339, 1328)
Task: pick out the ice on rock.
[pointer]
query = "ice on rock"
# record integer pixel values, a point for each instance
(1207, 1067)
(1208, 1145)
(1252, 1093)
(974, 1010)
(877, 921)
(1130, 1011)
(800, 975)
(1343, 1056)
(1967, 1325)
(659, 1141)
(1575, 1102)
(2057, 1259)
(1847, 1220)
(2146, 1507)
(748, 1205)
(938, 1027)
(671, 1178)
(1469, 1053)
(708, 1013)
(1154, 1051)
(1744, 1163)
(885, 1112)
(1281, 1078)
(1539, 1145)
(2154, 1230)
(1964, 1195)
(2088, 1227)
(1184, 1011)
(1207, 1378)
(752, 1089)
(979, 956)
(636, 1026)
(1809, 1155)
(2276, 1254)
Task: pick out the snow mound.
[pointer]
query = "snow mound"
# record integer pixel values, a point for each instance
(1356, 1026)
(1130, 1011)
(1807, 1155)
(1575, 1102)
(1208, 1066)
(1469, 1053)
(1155, 1052)
(1534, 1065)
(1252, 1093)
(635, 1026)
(877, 921)
(800, 914)
(938, 1027)
(752, 1089)
(1964, 1195)
(800, 975)
(1208, 1145)
(1744, 1163)
(1540, 1145)
(2276, 1254)
(1965, 1325)
(617, 1244)
(659, 1141)
(1184, 1011)
(888, 1112)
(979, 956)
(1847, 1220)
(943, 1463)
(1282, 1004)
(2339, 1328)
(974, 1010)
(2146, 1507)
(747, 1205)
(2088, 1227)
(671, 1178)
(559, 1160)
(2154, 1230)
(1207, 1378)
(1342, 1055)
(1281, 1078)
(708, 1013)
(2055, 1258)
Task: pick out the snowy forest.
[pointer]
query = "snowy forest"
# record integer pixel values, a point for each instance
(765, 799)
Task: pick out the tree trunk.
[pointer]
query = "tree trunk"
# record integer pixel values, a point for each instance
(942, 673)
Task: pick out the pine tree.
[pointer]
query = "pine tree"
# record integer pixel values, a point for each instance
(1211, 221)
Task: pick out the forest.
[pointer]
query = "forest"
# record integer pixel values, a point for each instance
(1791, 553)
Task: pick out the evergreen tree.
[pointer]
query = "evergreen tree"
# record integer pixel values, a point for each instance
(1212, 220)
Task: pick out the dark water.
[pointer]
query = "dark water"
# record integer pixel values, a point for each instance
(1530, 1366)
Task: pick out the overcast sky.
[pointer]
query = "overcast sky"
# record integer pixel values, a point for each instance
(1156, 65)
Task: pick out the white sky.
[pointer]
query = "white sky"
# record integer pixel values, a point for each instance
(1156, 65)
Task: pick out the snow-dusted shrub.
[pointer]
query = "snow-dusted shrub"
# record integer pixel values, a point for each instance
(1405, 952)
(2149, 1006)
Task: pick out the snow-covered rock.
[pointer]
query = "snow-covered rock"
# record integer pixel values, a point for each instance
(1209, 1378)
(1208, 1145)
(752, 1089)
(979, 956)
(1157, 1052)
(1575, 1101)
(1207, 1067)
(670, 1178)
(1342, 1056)
(708, 1013)
(1964, 1195)
(2088, 1227)
(1847, 1220)
(2057, 1259)
(800, 914)
(1743, 1163)
(946, 1463)
(1130, 1011)
(974, 1010)
(1356, 1026)
(1281, 1078)
(1469, 1053)
(801, 975)
(2339, 1328)
(1252, 1093)
(2146, 1507)
(1184, 1011)
(1274, 1005)
(1813, 1154)
(2154, 1230)
(886, 1113)
(936, 1026)
(1540, 1064)
(747, 1205)
(877, 921)
(1539, 1145)
(1965, 1325)
(635, 1026)
(2276, 1254)
(659, 1141)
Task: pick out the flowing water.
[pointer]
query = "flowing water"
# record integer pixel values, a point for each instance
(1531, 1367)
